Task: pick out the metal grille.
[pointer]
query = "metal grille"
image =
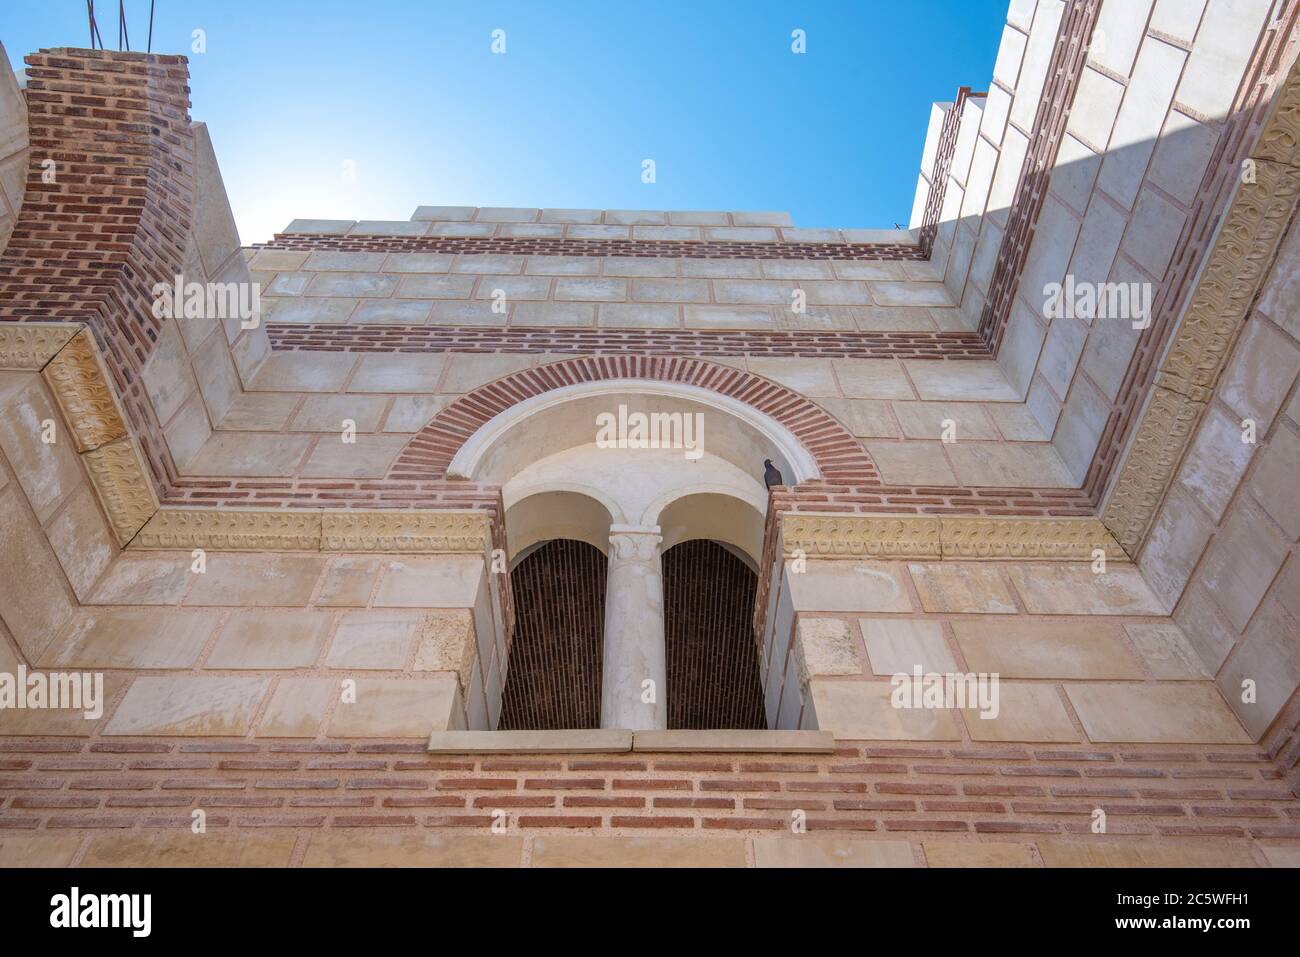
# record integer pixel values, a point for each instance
(553, 681)
(713, 679)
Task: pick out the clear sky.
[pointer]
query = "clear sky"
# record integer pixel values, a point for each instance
(365, 109)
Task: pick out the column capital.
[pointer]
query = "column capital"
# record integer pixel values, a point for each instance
(634, 543)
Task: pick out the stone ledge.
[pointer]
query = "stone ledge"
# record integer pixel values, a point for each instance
(619, 741)
(535, 742)
(799, 742)
(384, 531)
(963, 538)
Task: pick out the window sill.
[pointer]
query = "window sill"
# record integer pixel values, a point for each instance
(620, 742)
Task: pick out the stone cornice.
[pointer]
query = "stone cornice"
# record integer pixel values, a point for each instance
(923, 538)
(386, 531)
(76, 377)
(29, 346)
(1236, 267)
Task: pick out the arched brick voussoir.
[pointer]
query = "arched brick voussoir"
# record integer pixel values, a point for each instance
(838, 454)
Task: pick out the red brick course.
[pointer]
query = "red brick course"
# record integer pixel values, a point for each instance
(1145, 790)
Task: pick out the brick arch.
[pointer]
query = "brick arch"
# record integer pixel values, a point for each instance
(840, 457)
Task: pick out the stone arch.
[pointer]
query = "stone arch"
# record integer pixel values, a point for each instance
(837, 454)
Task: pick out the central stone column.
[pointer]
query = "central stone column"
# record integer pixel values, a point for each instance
(634, 651)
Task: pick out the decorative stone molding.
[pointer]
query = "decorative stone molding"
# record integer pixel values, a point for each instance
(81, 389)
(124, 488)
(443, 532)
(1244, 250)
(403, 532)
(231, 529)
(29, 346)
(910, 537)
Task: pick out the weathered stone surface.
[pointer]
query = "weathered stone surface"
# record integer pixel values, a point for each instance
(827, 647)
(47, 470)
(898, 645)
(399, 708)
(808, 851)
(273, 638)
(1051, 589)
(1044, 648)
(1183, 712)
(256, 580)
(861, 711)
(33, 599)
(1120, 852)
(38, 850)
(849, 587)
(188, 706)
(186, 849)
(1026, 712)
(978, 854)
(131, 638)
(297, 707)
(571, 850)
(370, 849)
(962, 587)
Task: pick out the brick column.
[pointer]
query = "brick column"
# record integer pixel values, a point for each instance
(634, 633)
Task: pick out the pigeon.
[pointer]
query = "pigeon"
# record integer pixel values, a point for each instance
(771, 474)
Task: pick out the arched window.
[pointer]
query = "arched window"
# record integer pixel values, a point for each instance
(553, 681)
(713, 663)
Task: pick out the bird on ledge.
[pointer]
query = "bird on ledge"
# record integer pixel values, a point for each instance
(771, 474)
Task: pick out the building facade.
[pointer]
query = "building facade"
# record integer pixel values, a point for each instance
(564, 536)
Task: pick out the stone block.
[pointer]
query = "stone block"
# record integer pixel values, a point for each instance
(862, 711)
(109, 637)
(565, 850)
(962, 587)
(1026, 712)
(809, 851)
(47, 471)
(1044, 648)
(188, 706)
(272, 638)
(370, 849)
(186, 849)
(1168, 713)
(399, 708)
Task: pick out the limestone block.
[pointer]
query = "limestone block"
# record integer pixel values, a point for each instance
(1219, 57)
(827, 647)
(1173, 548)
(214, 224)
(188, 706)
(862, 711)
(399, 708)
(962, 587)
(447, 581)
(298, 707)
(303, 372)
(566, 850)
(82, 540)
(807, 851)
(338, 849)
(349, 581)
(47, 471)
(1269, 656)
(1166, 650)
(1260, 374)
(1044, 648)
(1053, 589)
(273, 638)
(1168, 713)
(38, 850)
(1026, 712)
(397, 373)
(131, 638)
(872, 378)
(1120, 852)
(979, 854)
(1241, 562)
(159, 578)
(1141, 117)
(186, 849)
(1273, 484)
(900, 645)
(912, 463)
(849, 587)
(365, 456)
(257, 580)
(35, 602)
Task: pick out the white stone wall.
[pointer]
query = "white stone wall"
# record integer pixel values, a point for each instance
(1161, 76)
(13, 148)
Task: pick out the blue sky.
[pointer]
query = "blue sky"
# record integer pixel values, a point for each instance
(409, 93)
